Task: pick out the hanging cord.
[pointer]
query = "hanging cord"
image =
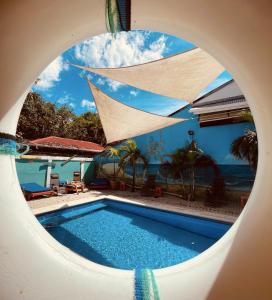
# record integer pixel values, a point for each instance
(9, 146)
(118, 15)
(113, 23)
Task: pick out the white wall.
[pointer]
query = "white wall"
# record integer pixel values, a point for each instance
(238, 33)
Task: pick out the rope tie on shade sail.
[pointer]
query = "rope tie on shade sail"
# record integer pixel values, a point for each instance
(117, 15)
(145, 285)
(9, 146)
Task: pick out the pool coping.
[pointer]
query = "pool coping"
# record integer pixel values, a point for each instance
(151, 204)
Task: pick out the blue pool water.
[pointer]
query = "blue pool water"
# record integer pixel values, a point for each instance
(128, 236)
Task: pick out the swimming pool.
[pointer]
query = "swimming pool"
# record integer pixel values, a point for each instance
(127, 236)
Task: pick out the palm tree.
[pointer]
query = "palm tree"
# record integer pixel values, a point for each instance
(196, 159)
(113, 153)
(165, 171)
(130, 154)
(177, 166)
(246, 147)
(189, 159)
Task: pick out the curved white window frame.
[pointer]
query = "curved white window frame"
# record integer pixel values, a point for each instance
(34, 265)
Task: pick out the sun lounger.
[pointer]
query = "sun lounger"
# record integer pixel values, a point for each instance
(77, 176)
(32, 190)
(75, 186)
(56, 184)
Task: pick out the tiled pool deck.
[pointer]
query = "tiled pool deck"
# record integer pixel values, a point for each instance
(166, 202)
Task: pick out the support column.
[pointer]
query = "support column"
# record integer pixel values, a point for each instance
(82, 169)
(48, 173)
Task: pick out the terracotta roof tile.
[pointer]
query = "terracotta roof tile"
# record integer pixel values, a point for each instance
(68, 143)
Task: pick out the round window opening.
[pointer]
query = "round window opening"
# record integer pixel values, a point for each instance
(151, 136)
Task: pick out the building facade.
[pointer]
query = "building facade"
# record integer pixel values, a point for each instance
(214, 121)
(57, 155)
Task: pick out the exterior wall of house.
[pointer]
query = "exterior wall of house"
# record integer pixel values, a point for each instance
(37, 169)
(213, 140)
(65, 170)
(31, 171)
(89, 171)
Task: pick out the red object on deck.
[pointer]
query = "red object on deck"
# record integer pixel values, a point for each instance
(31, 195)
(122, 186)
(158, 191)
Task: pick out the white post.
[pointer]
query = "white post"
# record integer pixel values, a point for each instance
(82, 170)
(48, 172)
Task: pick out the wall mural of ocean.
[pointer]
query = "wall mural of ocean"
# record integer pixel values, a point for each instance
(237, 177)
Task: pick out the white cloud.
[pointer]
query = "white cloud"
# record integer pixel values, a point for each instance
(82, 74)
(64, 100)
(134, 93)
(111, 84)
(101, 81)
(114, 85)
(90, 76)
(87, 104)
(51, 74)
(121, 49)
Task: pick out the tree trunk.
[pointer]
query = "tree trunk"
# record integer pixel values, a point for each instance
(133, 177)
(193, 184)
(114, 167)
(182, 183)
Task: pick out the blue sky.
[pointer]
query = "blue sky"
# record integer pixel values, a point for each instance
(62, 84)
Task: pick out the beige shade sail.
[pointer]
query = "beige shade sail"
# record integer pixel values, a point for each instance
(182, 76)
(121, 121)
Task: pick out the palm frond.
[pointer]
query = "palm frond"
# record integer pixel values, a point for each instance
(111, 152)
(246, 148)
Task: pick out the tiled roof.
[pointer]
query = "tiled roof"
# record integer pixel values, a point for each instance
(57, 142)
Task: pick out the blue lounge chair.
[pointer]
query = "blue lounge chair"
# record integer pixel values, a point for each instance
(33, 189)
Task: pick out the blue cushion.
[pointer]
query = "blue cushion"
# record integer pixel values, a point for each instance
(33, 187)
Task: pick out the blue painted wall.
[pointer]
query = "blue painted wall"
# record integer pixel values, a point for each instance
(213, 140)
(31, 171)
(35, 170)
(65, 170)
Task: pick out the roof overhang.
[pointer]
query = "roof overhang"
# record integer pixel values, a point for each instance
(217, 108)
(62, 149)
